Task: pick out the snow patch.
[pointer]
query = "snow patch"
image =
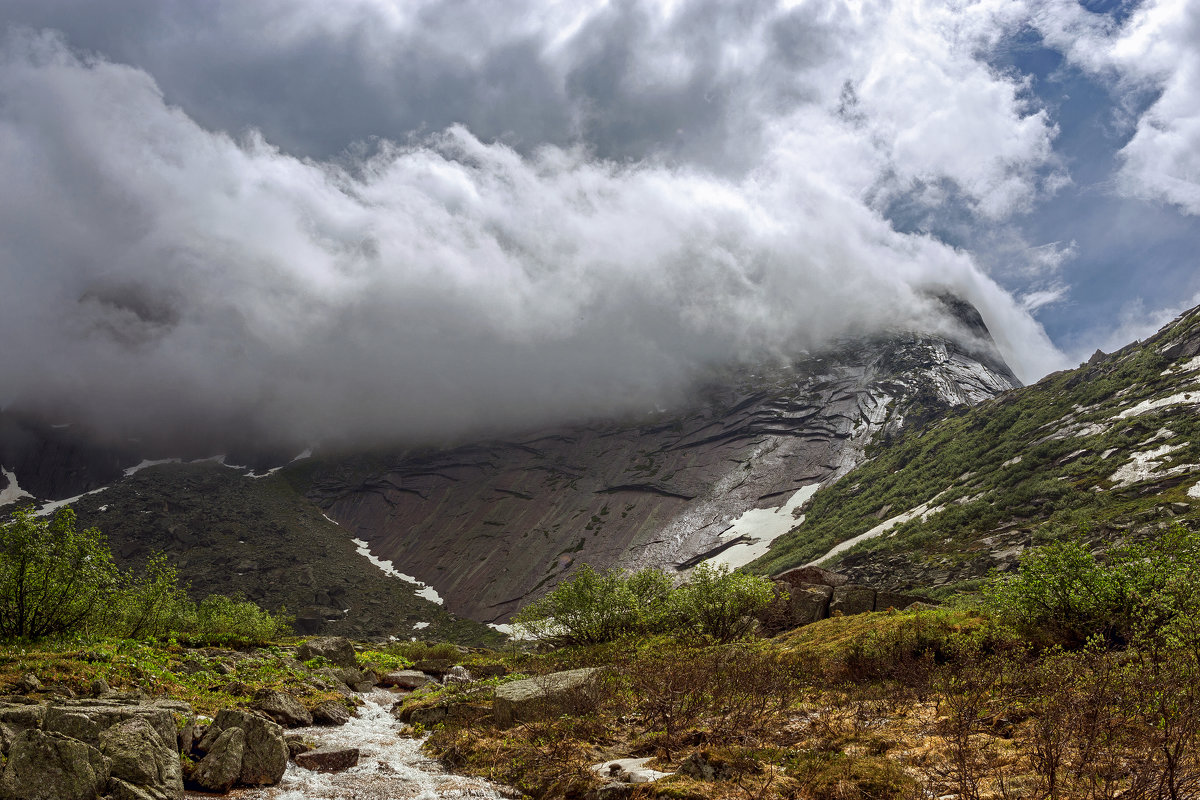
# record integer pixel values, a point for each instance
(149, 463)
(762, 526)
(12, 492)
(266, 474)
(331, 519)
(1180, 398)
(923, 511)
(1145, 465)
(49, 508)
(1191, 365)
(420, 626)
(306, 453)
(386, 567)
(1013, 461)
(1194, 491)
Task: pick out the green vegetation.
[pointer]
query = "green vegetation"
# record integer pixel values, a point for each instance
(1032, 464)
(597, 607)
(56, 580)
(1075, 678)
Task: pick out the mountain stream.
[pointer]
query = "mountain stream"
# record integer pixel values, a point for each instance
(390, 767)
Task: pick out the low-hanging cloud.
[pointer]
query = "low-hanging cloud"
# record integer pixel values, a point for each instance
(160, 278)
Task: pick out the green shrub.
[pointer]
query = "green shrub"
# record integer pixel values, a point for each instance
(597, 607)
(1062, 593)
(232, 620)
(720, 604)
(53, 577)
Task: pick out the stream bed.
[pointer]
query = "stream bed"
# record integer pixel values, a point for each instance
(390, 767)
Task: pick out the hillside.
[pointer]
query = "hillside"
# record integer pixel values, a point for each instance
(1109, 451)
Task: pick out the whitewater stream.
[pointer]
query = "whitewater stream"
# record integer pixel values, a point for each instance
(390, 767)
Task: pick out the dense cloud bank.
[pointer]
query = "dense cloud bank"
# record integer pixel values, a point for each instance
(478, 217)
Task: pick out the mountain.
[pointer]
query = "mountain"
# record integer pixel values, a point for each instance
(491, 525)
(1109, 452)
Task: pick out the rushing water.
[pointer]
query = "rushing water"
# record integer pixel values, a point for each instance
(390, 767)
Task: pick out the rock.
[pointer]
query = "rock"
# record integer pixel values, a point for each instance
(219, 770)
(141, 758)
(535, 697)
(98, 687)
(437, 667)
(405, 679)
(330, 712)
(283, 708)
(886, 600)
(702, 766)
(29, 684)
(297, 744)
(328, 759)
(336, 649)
(21, 715)
(266, 754)
(50, 766)
(812, 575)
(851, 599)
(629, 770)
(84, 719)
(809, 603)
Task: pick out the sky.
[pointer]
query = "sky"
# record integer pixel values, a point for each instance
(300, 220)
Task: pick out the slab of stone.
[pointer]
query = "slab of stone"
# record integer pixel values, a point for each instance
(330, 712)
(328, 759)
(812, 575)
(141, 759)
(219, 770)
(336, 649)
(629, 770)
(51, 766)
(405, 679)
(536, 697)
(283, 708)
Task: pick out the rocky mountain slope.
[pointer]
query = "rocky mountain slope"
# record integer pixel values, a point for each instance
(490, 526)
(1109, 452)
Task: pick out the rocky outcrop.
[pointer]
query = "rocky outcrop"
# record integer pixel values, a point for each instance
(144, 765)
(330, 713)
(337, 650)
(544, 695)
(283, 708)
(808, 594)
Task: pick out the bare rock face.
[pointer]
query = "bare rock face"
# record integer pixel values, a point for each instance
(264, 754)
(330, 713)
(522, 512)
(51, 766)
(851, 599)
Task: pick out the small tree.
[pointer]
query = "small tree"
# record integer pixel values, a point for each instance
(53, 577)
(594, 607)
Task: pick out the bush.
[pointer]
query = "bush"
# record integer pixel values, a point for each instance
(595, 607)
(53, 577)
(720, 604)
(1062, 593)
(232, 620)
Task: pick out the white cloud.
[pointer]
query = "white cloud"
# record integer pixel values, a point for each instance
(1155, 52)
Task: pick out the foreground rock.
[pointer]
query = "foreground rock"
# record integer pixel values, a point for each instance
(264, 754)
(336, 649)
(51, 766)
(805, 595)
(144, 766)
(546, 695)
(405, 679)
(219, 770)
(283, 708)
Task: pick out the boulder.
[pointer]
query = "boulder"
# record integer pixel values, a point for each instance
(457, 674)
(812, 575)
(265, 754)
(98, 687)
(219, 770)
(851, 599)
(283, 708)
(535, 697)
(50, 766)
(84, 719)
(629, 770)
(22, 715)
(336, 649)
(29, 683)
(328, 759)
(437, 667)
(144, 762)
(297, 744)
(809, 602)
(330, 712)
(405, 679)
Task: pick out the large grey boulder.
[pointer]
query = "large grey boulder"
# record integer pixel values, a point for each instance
(538, 697)
(851, 599)
(84, 719)
(219, 770)
(50, 766)
(265, 755)
(143, 765)
(22, 715)
(283, 708)
(336, 649)
(809, 603)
